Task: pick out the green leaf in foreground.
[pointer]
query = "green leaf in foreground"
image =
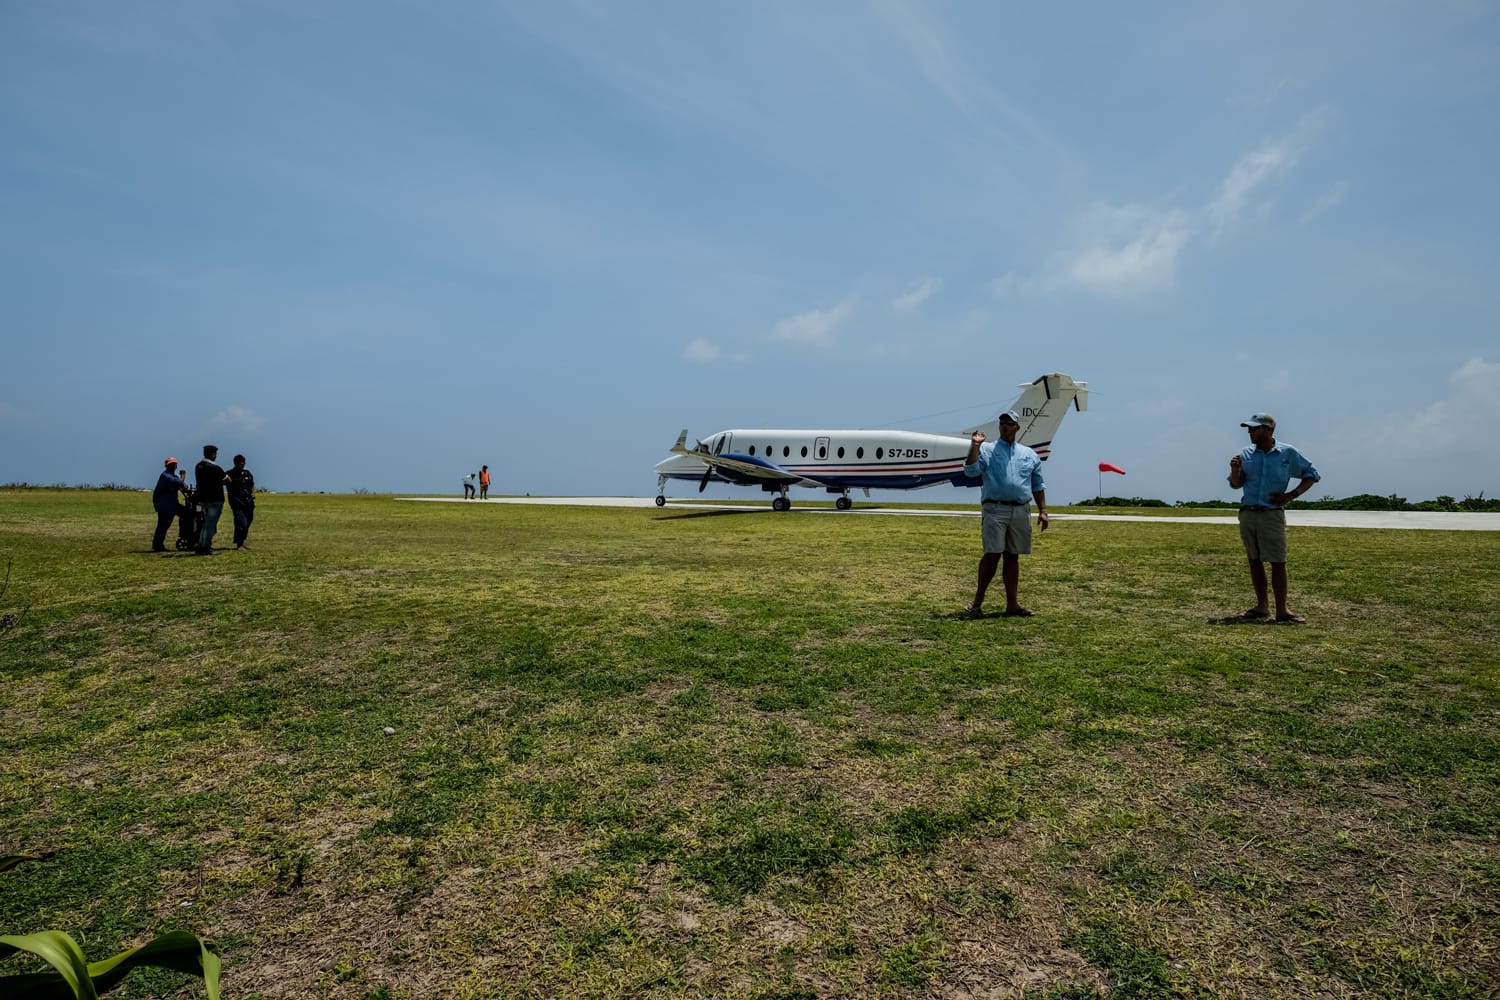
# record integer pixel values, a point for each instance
(176, 950)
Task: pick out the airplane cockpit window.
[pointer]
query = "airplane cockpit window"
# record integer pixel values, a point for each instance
(719, 444)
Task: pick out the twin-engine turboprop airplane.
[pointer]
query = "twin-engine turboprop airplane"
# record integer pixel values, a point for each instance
(839, 461)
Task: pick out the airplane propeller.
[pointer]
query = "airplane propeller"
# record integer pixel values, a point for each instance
(708, 472)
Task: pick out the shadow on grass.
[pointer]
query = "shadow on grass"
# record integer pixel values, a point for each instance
(710, 513)
(1241, 619)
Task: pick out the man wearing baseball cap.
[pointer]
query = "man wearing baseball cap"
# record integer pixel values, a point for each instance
(1012, 478)
(164, 499)
(1263, 471)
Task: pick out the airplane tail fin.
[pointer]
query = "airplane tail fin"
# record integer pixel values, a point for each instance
(1042, 406)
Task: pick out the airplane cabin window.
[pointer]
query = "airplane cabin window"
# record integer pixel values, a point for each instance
(752, 451)
(841, 451)
(804, 451)
(880, 453)
(859, 452)
(822, 452)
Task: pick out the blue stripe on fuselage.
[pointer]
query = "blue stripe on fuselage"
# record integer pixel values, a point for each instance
(912, 474)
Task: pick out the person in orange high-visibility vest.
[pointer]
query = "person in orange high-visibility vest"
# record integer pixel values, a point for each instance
(484, 482)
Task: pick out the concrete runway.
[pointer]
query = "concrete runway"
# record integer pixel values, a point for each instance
(1406, 519)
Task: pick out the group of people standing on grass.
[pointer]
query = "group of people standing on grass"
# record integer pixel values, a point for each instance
(483, 475)
(212, 485)
(1011, 476)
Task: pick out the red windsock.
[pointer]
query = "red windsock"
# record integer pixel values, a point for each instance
(1106, 467)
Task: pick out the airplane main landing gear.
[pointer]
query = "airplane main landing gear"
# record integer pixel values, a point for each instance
(843, 502)
(661, 501)
(781, 503)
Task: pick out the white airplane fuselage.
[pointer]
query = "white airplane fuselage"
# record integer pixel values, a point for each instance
(838, 461)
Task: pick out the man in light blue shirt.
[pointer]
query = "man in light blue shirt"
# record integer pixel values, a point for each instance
(1012, 477)
(1263, 471)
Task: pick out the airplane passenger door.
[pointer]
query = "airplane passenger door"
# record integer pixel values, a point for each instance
(820, 449)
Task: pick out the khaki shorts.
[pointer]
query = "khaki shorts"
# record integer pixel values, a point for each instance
(1264, 535)
(1006, 530)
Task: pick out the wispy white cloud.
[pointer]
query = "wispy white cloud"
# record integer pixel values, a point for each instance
(1259, 168)
(816, 326)
(1250, 173)
(938, 56)
(702, 352)
(1133, 250)
(1330, 200)
(918, 293)
(1130, 250)
(1464, 419)
(236, 419)
(1453, 435)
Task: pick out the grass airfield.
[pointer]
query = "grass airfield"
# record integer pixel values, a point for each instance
(667, 753)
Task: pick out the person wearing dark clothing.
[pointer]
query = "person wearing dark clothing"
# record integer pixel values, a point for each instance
(241, 501)
(164, 499)
(211, 480)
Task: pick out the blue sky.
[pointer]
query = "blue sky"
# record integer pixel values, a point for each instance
(372, 245)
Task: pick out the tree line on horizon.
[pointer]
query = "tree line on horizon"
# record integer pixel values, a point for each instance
(1362, 501)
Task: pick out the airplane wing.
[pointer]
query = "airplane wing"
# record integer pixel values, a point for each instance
(743, 469)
